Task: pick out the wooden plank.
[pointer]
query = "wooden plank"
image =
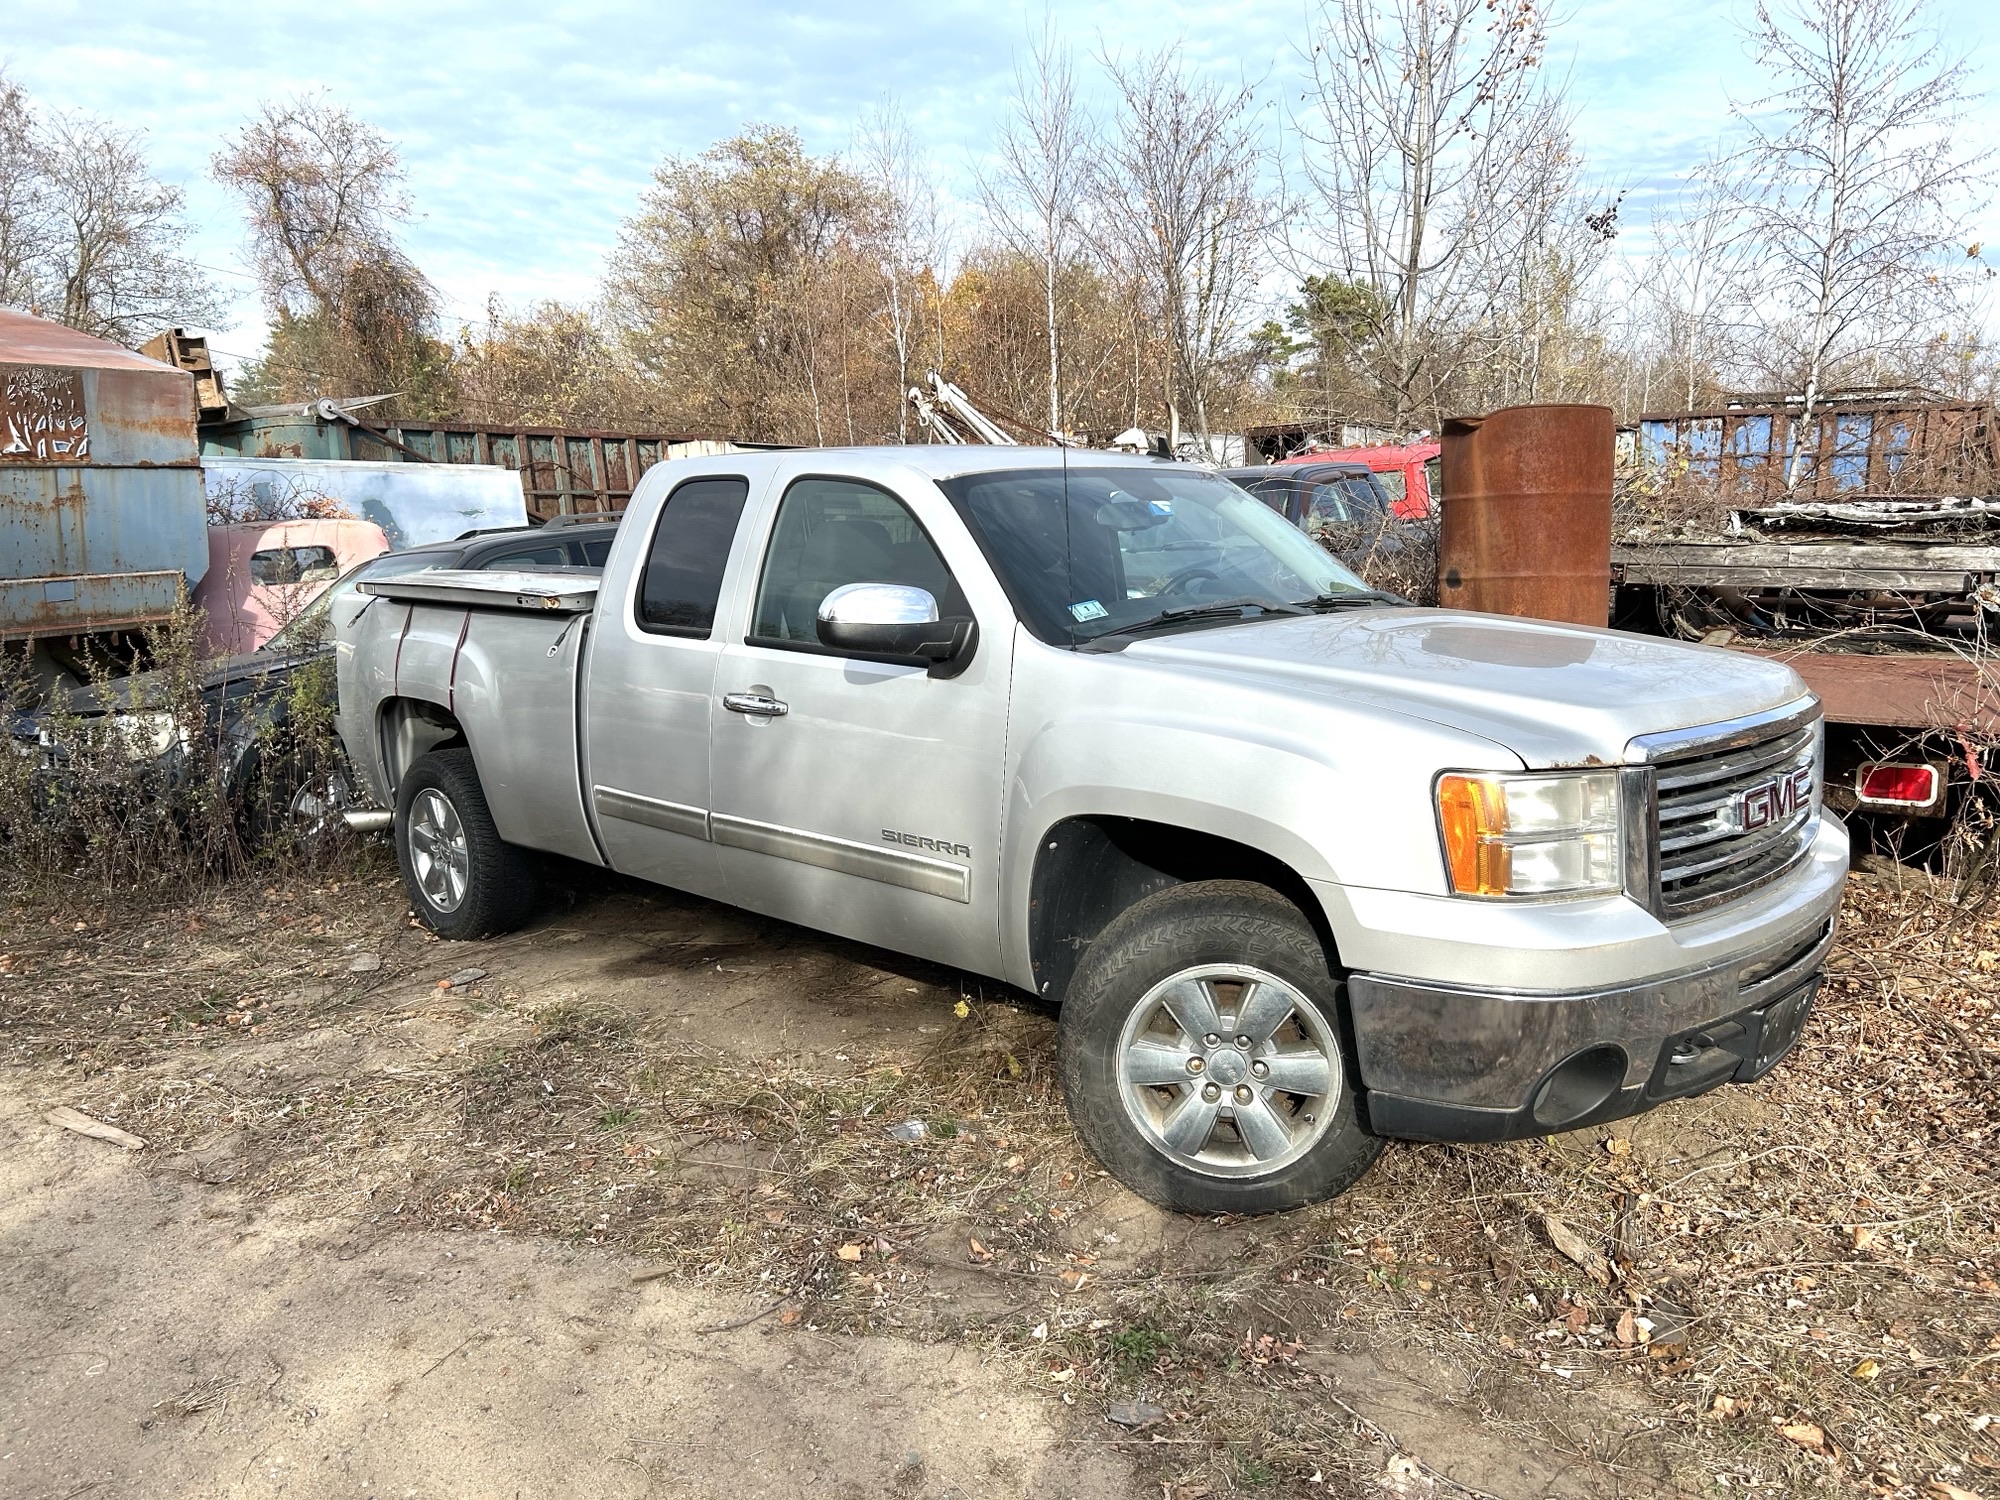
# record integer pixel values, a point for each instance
(1931, 568)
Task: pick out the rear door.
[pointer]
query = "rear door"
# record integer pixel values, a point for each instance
(851, 795)
(651, 673)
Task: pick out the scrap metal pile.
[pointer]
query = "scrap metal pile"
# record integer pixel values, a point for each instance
(1874, 574)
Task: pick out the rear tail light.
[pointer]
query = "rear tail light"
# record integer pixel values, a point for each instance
(1888, 784)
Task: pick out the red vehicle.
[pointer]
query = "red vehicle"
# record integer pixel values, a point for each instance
(1408, 471)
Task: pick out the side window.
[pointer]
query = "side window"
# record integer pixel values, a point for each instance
(547, 555)
(1393, 482)
(683, 577)
(1276, 493)
(1329, 506)
(832, 532)
(596, 552)
(293, 565)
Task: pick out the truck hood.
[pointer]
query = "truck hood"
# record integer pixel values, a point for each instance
(1553, 694)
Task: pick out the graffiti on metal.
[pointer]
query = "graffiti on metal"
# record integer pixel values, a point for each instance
(41, 415)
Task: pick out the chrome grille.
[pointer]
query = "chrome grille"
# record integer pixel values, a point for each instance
(1737, 807)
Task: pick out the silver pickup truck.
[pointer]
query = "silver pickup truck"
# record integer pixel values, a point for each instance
(1304, 867)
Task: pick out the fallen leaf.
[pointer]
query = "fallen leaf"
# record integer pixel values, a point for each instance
(1627, 1333)
(1868, 1369)
(849, 1252)
(1136, 1413)
(961, 1010)
(1039, 1331)
(1940, 1489)
(979, 1251)
(1808, 1435)
(1726, 1406)
(1862, 1236)
(1617, 1146)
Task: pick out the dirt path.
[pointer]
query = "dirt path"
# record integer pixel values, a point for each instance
(169, 1338)
(383, 1238)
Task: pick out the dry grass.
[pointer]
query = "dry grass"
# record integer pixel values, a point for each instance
(1796, 1286)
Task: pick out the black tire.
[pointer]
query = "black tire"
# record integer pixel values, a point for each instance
(499, 885)
(294, 800)
(1194, 929)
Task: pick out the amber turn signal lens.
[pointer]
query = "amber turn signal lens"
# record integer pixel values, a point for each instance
(1472, 811)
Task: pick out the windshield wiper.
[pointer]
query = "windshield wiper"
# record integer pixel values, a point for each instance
(1222, 609)
(1356, 596)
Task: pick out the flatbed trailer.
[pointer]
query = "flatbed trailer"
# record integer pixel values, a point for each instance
(1892, 627)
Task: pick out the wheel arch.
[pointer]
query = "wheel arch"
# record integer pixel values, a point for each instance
(406, 730)
(1089, 868)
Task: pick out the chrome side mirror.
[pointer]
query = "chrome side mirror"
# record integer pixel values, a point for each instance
(895, 622)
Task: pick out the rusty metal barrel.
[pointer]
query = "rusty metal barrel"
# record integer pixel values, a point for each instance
(1527, 513)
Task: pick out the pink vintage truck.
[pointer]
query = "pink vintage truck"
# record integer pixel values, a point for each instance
(261, 574)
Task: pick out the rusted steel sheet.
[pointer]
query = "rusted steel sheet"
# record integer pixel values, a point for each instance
(101, 509)
(1932, 691)
(1884, 442)
(1527, 530)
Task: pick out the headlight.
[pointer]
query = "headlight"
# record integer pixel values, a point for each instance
(148, 736)
(1547, 834)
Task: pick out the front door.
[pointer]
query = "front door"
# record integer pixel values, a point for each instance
(652, 673)
(855, 796)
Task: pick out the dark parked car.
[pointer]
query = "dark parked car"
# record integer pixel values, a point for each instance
(251, 700)
(1315, 497)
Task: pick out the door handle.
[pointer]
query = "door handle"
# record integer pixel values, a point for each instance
(754, 703)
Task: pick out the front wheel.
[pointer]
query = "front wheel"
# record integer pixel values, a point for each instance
(1202, 1054)
(463, 879)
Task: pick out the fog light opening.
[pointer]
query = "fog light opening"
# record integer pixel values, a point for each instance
(1578, 1087)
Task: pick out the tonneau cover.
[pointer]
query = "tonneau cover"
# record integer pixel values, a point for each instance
(550, 590)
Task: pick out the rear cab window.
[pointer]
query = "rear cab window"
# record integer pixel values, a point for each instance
(681, 580)
(521, 559)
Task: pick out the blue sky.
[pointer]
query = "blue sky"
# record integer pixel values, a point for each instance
(528, 131)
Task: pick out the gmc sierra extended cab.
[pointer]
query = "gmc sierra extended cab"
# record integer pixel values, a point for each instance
(1304, 867)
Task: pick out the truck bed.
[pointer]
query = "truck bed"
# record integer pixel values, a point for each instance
(563, 591)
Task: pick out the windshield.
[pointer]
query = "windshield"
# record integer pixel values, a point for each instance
(310, 628)
(1088, 551)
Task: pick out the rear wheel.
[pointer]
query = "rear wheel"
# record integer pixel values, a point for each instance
(1203, 1059)
(463, 879)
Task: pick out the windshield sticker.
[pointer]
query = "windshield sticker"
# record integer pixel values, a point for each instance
(1160, 507)
(1090, 609)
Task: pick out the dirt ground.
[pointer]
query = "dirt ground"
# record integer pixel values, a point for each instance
(656, 1198)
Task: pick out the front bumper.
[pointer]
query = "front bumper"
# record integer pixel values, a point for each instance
(1445, 1063)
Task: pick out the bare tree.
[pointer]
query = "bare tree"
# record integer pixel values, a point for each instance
(87, 234)
(115, 237)
(323, 191)
(1854, 188)
(350, 313)
(1694, 286)
(1179, 188)
(1439, 160)
(23, 199)
(912, 239)
(1035, 194)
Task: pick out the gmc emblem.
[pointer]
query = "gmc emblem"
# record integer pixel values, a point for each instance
(1775, 800)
